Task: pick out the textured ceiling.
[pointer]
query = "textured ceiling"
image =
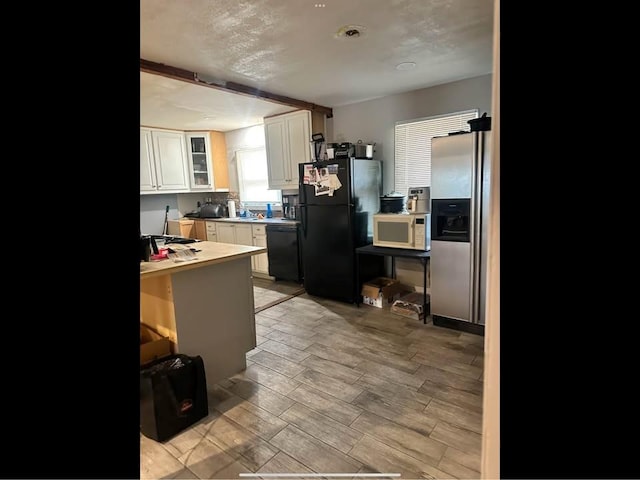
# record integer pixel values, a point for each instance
(292, 48)
(169, 103)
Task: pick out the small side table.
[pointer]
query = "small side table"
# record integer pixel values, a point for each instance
(421, 255)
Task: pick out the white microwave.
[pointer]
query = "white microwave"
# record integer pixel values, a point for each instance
(401, 230)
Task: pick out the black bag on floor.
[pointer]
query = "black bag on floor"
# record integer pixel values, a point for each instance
(173, 395)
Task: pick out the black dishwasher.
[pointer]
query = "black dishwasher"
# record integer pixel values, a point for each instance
(285, 261)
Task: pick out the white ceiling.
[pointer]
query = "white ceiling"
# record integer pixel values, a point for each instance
(292, 48)
(169, 103)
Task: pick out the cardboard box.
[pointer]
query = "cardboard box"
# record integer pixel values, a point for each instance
(410, 306)
(152, 345)
(381, 291)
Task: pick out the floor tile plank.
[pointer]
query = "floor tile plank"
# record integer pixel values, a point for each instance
(283, 350)
(417, 421)
(397, 361)
(283, 463)
(456, 437)
(314, 454)
(232, 471)
(391, 374)
(386, 459)
(294, 341)
(155, 461)
(255, 419)
(459, 471)
(322, 427)
(470, 401)
(270, 379)
(331, 369)
(325, 404)
(261, 396)
(338, 356)
(395, 393)
(448, 365)
(468, 460)
(332, 386)
(207, 459)
(277, 363)
(240, 443)
(437, 375)
(455, 415)
(401, 438)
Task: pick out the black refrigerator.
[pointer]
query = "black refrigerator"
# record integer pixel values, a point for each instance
(335, 221)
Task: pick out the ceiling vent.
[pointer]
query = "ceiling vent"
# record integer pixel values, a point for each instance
(350, 31)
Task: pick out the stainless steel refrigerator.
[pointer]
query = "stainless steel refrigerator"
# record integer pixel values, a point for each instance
(333, 225)
(460, 168)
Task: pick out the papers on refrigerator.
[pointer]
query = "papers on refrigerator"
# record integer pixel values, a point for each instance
(324, 179)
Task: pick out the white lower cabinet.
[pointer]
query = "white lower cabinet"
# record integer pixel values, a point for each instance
(243, 234)
(235, 233)
(212, 233)
(260, 263)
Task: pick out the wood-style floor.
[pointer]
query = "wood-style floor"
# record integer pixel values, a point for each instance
(333, 388)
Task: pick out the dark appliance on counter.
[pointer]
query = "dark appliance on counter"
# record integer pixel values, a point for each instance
(283, 251)
(333, 226)
(290, 206)
(392, 203)
(343, 150)
(460, 191)
(147, 246)
(213, 210)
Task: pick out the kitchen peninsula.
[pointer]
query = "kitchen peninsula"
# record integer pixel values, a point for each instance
(204, 306)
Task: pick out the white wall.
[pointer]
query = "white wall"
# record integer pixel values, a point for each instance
(374, 120)
(152, 211)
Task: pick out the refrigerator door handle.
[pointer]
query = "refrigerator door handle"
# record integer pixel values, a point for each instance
(472, 227)
(477, 236)
(303, 219)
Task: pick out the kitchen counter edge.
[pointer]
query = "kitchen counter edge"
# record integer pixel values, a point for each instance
(211, 253)
(264, 221)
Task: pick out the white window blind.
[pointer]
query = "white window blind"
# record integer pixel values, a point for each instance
(413, 146)
(253, 178)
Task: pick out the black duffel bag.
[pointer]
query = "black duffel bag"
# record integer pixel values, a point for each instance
(173, 395)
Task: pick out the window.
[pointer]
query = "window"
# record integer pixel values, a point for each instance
(413, 146)
(253, 178)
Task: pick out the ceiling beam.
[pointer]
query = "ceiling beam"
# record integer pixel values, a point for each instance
(232, 87)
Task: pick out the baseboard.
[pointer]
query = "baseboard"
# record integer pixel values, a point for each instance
(454, 324)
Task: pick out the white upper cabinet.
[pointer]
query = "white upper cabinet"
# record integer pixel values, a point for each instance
(199, 160)
(287, 139)
(163, 167)
(147, 167)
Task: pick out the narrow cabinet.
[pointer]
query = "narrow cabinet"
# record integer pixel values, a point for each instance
(212, 234)
(199, 148)
(287, 142)
(200, 229)
(207, 161)
(260, 263)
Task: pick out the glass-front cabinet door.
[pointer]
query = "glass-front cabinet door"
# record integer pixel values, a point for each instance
(199, 148)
